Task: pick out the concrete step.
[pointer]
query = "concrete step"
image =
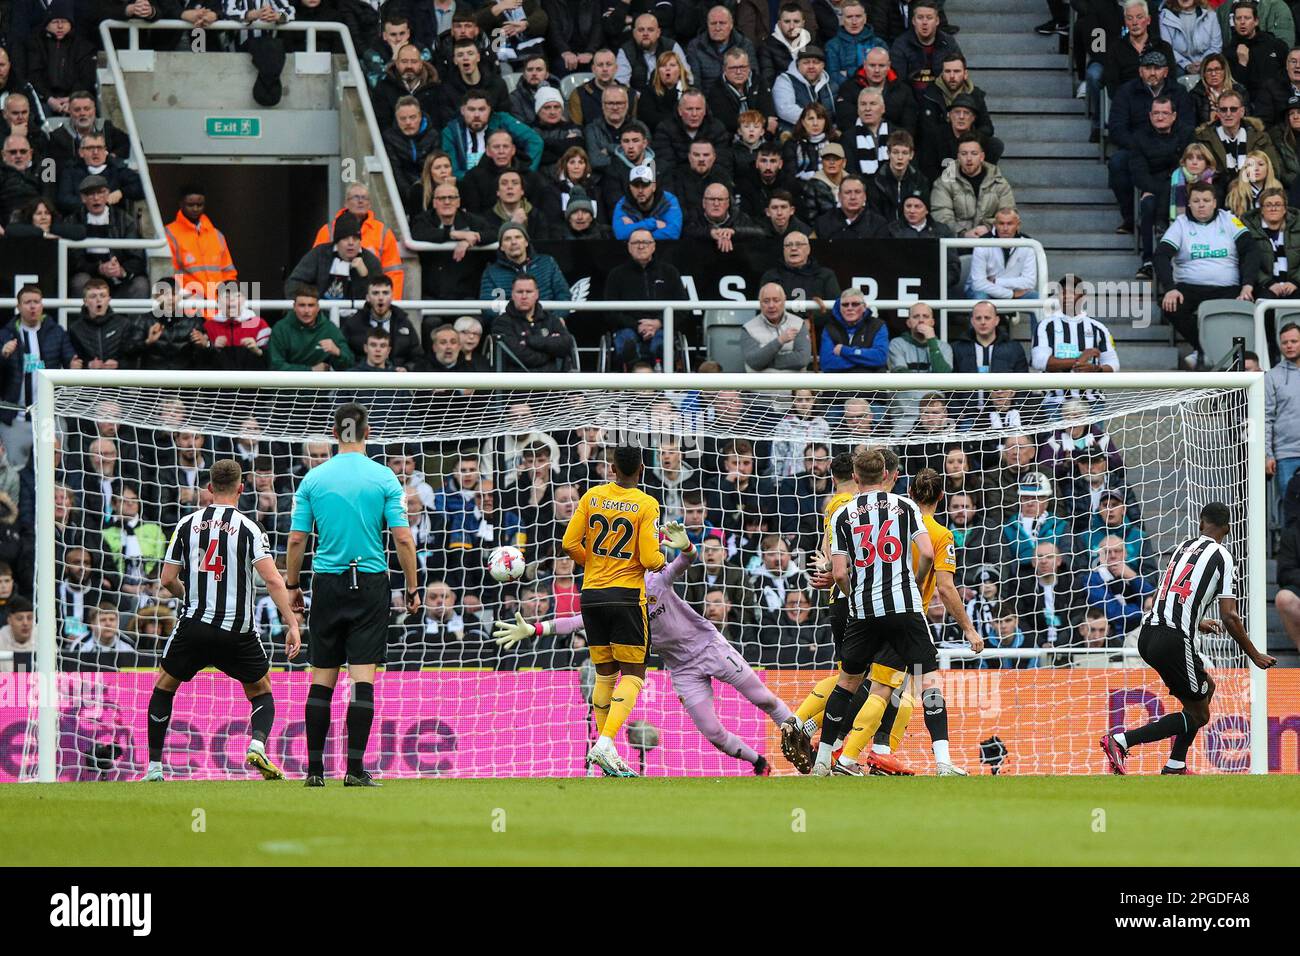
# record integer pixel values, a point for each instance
(1021, 61)
(1092, 264)
(1147, 357)
(1069, 130)
(1004, 106)
(1052, 80)
(1065, 219)
(1025, 172)
(986, 17)
(1022, 42)
(1066, 145)
(1027, 197)
(1093, 241)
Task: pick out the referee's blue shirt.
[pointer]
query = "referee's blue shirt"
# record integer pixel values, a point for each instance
(349, 499)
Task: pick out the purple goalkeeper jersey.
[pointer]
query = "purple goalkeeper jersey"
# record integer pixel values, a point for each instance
(677, 632)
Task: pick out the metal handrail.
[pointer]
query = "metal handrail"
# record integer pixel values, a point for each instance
(1261, 332)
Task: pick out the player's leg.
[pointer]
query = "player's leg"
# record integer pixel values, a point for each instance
(838, 711)
(797, 731)
(327, 626)
(316, 718)
(695, 690)
(184, 655)
(160, 718)
(360, 718)
(1199, 712)
(367, 648)
(625, 631)
(858, 738)
(731, 668)
(261, 702)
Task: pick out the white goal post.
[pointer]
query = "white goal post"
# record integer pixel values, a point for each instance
(1212, 401)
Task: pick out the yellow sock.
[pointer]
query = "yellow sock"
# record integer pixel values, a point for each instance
(866, 724)
(858, 737)
(814, 705)
(600, 696)
(905, 708)
(621, 704)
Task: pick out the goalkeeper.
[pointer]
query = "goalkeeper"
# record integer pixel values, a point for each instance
(693, 650)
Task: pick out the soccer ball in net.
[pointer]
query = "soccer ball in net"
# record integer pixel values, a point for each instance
(506, 564)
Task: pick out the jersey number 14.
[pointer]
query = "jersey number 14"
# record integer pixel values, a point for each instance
(1179, 587)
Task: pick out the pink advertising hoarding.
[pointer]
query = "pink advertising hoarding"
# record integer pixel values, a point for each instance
(446, 723)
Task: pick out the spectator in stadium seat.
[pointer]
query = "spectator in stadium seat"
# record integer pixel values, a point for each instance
(479, 187)
(470, 331)
(380, 313)
(1050, 600)
(854, 339)
(1276, 231)
(670, 478)
(1033, 523)
(515, 257)
(691, 123)
(34, 341)
(774, 578)
(977, 540)
(557, 131)
(434, 633)
(584, 103)
(639, 59)
(65, 141)
(953, 81)
(714, 572)
(1111, 517)
(79, 590)
(467, 73)
(917, 55)
(517, 28)
(718, 219)
(98, 333)
(1233, 137)
(198, 249)
(775, 340)
(920, 350)
(639, 335)
(104, 636)
(866, 141)
(1093, 477)
(125, 270)
(534, 76)
(1282, 410)
(802, 428)
(1116, 588)
(988, 346)
(376, 238)
(766, 172)
(1156, 152)
(819, 196)
(448, 222)
(785, 41)
(308, 343)
(464, 138)
(37, 219)
(1222, 266)
(1215, 80)
(689, 182)
(19, 631)
(1275, 16)
(394, 33)
(741, 90)
(853, 220)
(1007, 635)
(375, 353)
(781, 221)
(16, 119)
(410, 74)
(1124, 48)
(528, 338)
(955, 200)
(706, 52)
(875, 74)
(855, 427)
(897, 179)
(1192, 31)
(580, 220)
(59, 58)
(801, 277)
(917, 223)
(408, 140)
(1256, 176)
(1264, 56)
(123, 183)
(182, 473)
(603, 135)
(1004, 273)
(1071, 339)
(851, 43)
(805, 82)
(1064, 446)
(133, 547)
(20, 180)
(341, 270)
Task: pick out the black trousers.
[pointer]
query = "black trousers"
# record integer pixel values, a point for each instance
(1183, 319)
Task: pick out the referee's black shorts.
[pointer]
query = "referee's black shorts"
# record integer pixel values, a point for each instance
(346, 625)
(1171, 654)
(899, 641)
(195, 645)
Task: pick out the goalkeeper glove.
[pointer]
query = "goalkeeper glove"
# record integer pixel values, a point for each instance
(675, 535)
(508, 635)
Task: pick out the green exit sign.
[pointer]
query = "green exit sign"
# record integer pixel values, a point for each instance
(233, 126)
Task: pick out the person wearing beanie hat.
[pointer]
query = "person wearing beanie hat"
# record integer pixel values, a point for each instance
(553, 125)
(534, 80)
(340, 270)
(60, 59)
(580, 219)
(917, 223)
(515, 256)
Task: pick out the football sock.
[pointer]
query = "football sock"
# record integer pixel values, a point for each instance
(1121, 740)
(1182, 743)
(600, 696)
(887, 721)
(1173, 764)
(815, 703)
(936, 721)
(361, 714)
(869, 717)
(1167, 726)
(262, 716)
(316, 716)
(837, 714)
(160, 717)
(621, 704)
(899, 726)
(856, 739)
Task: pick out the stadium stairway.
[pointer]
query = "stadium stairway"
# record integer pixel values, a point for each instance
(1057, 175)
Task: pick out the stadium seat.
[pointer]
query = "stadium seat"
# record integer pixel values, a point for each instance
(572, 82)
(1219, 321)
(723, 337)
(1282, 317)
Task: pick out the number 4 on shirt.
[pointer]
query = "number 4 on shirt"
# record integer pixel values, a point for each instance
(212, 562)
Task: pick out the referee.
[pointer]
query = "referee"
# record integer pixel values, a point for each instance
(348, 500)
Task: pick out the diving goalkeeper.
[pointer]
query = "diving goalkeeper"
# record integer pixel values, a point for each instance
(693, 650)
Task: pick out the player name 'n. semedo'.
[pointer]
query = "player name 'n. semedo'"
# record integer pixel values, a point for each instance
(609, 505)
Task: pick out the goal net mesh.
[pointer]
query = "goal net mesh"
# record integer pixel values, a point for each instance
(1064, 508)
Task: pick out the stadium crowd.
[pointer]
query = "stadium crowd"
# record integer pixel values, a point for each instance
(843, 121)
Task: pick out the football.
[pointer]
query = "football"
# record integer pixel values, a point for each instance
(506, 564)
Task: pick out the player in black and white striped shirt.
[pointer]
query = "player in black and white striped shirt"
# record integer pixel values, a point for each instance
(1200, 572)
(209, 564)
(880, 551)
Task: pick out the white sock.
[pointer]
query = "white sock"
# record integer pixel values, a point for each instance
(605, 743)
(1119, 739)
(880, 748)
(155, 765)
(941, 754)
(839, 742)
(848, 761)
(824, 753)
(257, 745)
(1173, 764)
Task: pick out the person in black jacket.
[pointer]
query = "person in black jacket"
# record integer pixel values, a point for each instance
(939, 147)
(341, 269)
(98, 333)
(445, 275)
(408, 141)
(953, 81)
(639, 335)
(478, 190)
(853, 220)
(1287, 600)
(717, 218)
(987, 346)
(123, 182)
(60, 59)
(573, 34)
(1155, 154)
(167, 338)
(801, 277)
(672, 141)
(876, 74)
(740, 89)
(557, 131)
(897, 180)
(410, 75)
(529, 340)
(380, 313)
(1264, 69)
(20, 178)
(65, 141)
(917, 223)
(125, 269)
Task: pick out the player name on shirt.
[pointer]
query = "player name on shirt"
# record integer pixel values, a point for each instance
(873, 531)
(216, 548)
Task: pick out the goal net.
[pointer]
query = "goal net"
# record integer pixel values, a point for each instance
(1064, 506)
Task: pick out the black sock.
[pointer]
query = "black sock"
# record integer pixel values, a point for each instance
(1167, 726)
(361, 713)
(263, 715)
(839, 711)
(855, 706)
(887, 720)
(1182, 743)
(936, 713)
(160, 717)
(317, 718)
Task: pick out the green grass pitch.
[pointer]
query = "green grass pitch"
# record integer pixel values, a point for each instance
(1215, 821)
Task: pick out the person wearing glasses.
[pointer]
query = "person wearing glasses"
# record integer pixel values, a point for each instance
(1234, 137)
(802, 277)
(123, 182)
(717, 218)
(20, 180)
